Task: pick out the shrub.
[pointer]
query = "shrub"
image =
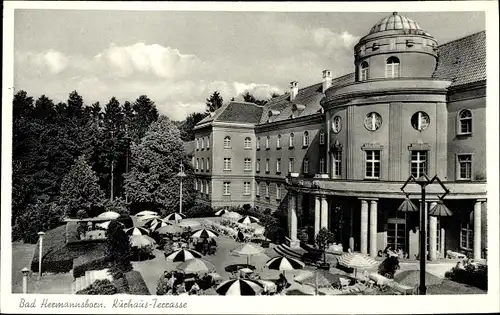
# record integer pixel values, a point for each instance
(99, 287)
(89, 262)
(474, 275)
(388, 267)
(199, 211)
(118, 205)
(119, 250)
(136, 284)
(324, 238)
(82, 214)
(162, 284)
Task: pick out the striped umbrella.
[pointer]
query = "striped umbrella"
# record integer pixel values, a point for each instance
(141, 241)
(169, 229)
(174, 217)
(356, 261)
(314, 279)
(283, 263)
(248, 219)
(196, 265)
(183, 255)
(204, 233)
(239, 287)
(110, 215)
(221, 212)
(136, 231)
(146, 213)
(248, 249)
(154, 224)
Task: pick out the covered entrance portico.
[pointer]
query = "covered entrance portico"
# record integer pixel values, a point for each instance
(369, 222)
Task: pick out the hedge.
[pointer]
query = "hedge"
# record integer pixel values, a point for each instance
(91, 261)
(100, 287)
(136, 284)
(199, 211)
(476, 276)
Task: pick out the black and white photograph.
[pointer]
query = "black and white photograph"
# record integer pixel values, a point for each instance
(153, 157)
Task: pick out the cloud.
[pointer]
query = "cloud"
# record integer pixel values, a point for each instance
(329, 40)
(51, 61)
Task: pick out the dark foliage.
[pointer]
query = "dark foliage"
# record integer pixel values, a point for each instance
(199, 211)
(89, 262)
(476, 276)
(136, 284)
(389, 267)
(100, 287)
(214, 102)
(119, 250)
(186, 127)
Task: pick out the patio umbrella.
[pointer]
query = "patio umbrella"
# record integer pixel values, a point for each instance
(141, 241)
(356, 261)
(237, 267)
(154, 224)
(248, 219)
(147, 213)
(221, 212)
(191, 224)
(283, 263)
(136, 231)
(174, 217)
(232, 215)
(110, 215)
(239, 287)
(440, 210)
(313, 278)
(169, 229)
(408, 206)
(248, 249)
(105, 225)
(204, 233)
(183, 255)
(196, 265)
(151, 221)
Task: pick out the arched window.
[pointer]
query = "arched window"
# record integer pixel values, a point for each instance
(248, 143)
(227, 142)
(257, 143)
(202, 143)
(197, 144)
(291, 140)
(364, 73)
(278, 142)
(465, 122)
(392, 68)
(267, 141)
(305, 139)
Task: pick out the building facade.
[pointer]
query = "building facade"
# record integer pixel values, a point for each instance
(336, 154)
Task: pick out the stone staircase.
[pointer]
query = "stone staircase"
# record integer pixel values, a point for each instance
(90, 276)
(286, 250)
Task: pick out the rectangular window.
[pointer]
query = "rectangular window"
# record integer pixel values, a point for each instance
(257, 143)
(372, 170)
(202, 188)
(196, 185)
(226, 189)
(321, 138)
(290, 165)
(247, 164)
(208, 164)
(202, 164)
(267, 142)
(466, 235)
(257, 189)
(322, 166)
(305, 166)
(465, 166)
(337, 163)
(278, 192)
(364, 74)
(193, 162)
(197, 144)
(267, 165)
(278, 166)
(396, 233)
(197, 164)
(257, 166)
(227, 164)
(202, 143)
(207, 187)
(246, 188)
(267, 190)
(208, 143)
(278, 142)
(418, 163)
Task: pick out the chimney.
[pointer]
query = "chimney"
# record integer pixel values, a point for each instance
(294, 90)
(327, 79)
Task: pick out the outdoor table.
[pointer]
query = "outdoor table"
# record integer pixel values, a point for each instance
(215, 277)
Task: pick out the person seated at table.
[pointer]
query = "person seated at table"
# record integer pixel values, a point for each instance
(194, 288)
(181, 288)
(283, 282)
(241, 237)
(205, 246)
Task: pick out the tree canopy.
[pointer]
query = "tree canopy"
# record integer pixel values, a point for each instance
(214, 102)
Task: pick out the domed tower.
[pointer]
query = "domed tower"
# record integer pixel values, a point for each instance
(395, 47)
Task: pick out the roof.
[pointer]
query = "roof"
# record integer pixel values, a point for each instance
(240, 112)
(463, 60)
(189, 147)
(395, 21)
(309, 96)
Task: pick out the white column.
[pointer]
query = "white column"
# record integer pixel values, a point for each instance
(373, 228)
(477, 230)
(317, 214)
(442, 246)
(292, 216)
(324, 212)
(432, 235)
(364, 227)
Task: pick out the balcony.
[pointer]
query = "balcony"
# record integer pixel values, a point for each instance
(384, 189)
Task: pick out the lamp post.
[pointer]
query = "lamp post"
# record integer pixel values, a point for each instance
(25, 271)
(181, 174)
(423, 181)
(40, 235)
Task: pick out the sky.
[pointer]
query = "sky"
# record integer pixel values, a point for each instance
(178, 58)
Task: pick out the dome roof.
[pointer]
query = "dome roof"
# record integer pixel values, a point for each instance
(395, 22)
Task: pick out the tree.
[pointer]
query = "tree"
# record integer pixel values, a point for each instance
(119, 250)
(324, 238)
(145, 113)
(247, 97)
(155, 163)
(80, 189)
(214, 102)
(186, 127)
